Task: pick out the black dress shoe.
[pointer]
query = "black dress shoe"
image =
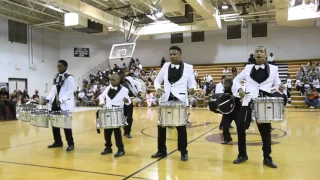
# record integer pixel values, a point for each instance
(269, 162)
(184, 156)
(159, 154)
(70, 148)
(226, 141)
(128, 136)
(55, 145)
(120, 153)
(106, 151)
(240, 159)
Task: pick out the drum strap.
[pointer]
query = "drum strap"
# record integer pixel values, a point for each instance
(248, 116)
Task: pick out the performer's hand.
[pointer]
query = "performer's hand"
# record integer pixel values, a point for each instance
(139, 94)
(159, 93)
(281, 88)
(241, 93)
(45, 102)
(125, 100)
(191, 91)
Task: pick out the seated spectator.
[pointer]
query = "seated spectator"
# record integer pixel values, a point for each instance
(298, 84)
(311, 98)
(306, 85)
(124, 66)
(271, 59)
(234, 72)
(25, 97)
(251, 59)
(132, 63)
(162, 61)
(36, 97)
(151, 100)
(4, 102)
(202, 97)
(193, 100)
(225, 71)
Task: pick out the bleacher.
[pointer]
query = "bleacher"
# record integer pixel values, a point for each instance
(297, 101)
(215, 70)
(285, 67)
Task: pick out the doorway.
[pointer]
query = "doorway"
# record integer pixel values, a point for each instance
(17, 84)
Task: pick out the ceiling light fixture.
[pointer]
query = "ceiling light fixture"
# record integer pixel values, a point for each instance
(54, 8)
(224, 6)
(159, 15)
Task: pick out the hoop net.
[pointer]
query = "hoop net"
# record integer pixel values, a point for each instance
(122, 50)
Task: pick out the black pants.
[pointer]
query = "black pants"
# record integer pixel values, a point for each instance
(228, 118)
(289, 92)
(117, 136)
(57, 135)
(128, 112)
(264, 129)
(182, 138)
(11, 107)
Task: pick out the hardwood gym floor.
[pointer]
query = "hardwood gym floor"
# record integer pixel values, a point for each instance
(296, 147)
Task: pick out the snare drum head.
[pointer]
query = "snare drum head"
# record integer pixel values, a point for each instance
(221, 103)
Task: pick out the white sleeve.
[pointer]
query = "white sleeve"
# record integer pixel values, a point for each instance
(239, 78)
(159, 79)
(70, 82)
(219, 88)
(191, 80)
(52, 94)
(127, 97)
(103, 95)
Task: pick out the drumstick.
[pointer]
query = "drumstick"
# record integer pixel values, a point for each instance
(224, 103)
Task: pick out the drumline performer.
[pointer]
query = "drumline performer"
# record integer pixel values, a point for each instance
(261, 78)
(115, 95)
(62, 99)
(134, 88)
(178, 78)
(220, 89)
(227, 119)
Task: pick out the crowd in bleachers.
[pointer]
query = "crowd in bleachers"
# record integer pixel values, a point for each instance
(307, 82)
(14, 100)
(88, 93)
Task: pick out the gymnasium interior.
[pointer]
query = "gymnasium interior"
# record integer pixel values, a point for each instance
(99, 38)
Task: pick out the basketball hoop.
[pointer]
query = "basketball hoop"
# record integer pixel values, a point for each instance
(119, 51)
(122, 52)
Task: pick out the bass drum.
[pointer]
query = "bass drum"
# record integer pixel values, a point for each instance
(221, 103)
(143, 87)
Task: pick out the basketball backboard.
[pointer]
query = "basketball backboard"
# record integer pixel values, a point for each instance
(122, 50)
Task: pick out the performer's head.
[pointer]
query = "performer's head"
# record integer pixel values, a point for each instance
(115, 79)
(3, 89)
(260, 55)
(175, 54)
(122, 75)
(227, 83)
(62, 66)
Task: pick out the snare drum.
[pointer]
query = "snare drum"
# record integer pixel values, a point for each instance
(60, 119)
(173, 113)
(111, 118)
(267, 110)
(221, 103)
(24, 114)
(40, 119)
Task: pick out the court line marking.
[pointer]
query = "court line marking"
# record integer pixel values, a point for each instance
(44, 140)
(67, 169)
(145, 167)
